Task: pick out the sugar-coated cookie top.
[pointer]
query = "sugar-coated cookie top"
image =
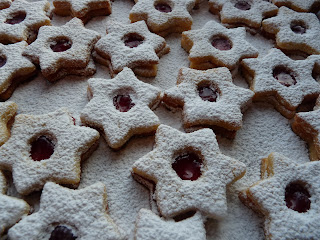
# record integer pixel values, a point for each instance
(297, 5)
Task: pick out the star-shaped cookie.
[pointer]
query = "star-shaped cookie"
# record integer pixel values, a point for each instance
(14, 68)
(121, 107)
(283, 82)
(46, 147)
(22, 19)
(64, 212)
(7, 112)
(190, 172)
(64, 47)
(12, 209)
(243, 12)
(133, 46)
(295, 31)
(217, 46)
(208, 98)
(298, 5)
(288, 197)
(151, 226)
(83, 9)
(164, 17)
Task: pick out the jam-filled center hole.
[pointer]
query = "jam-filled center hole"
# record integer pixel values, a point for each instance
(16, 18)
(188, 166)
(222, 43)
(243, 5)
(298, 27)
(61, 44)
(3, 61)
(163, 7)
(41, 148)
(123, 103)
(207, 93)
(62, 233)
(297, 197)
(133, 40)
(284, 76)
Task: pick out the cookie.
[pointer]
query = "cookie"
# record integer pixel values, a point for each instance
(216, 46)
(281, 81)
(46, 147)
(190, 172)
(7, 113)
(295, 31)
(243, 12)
(5, 4)
(208, 98)
(133, 46)
(151, 226)
(298, 5)
(63, 49)
(14, 68)
(12, 209)
(21, 21)
(164, 17)
(121, 107)
(287, 191)
(69, 214)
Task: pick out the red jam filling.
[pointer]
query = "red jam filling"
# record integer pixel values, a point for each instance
(284, 76)
(243, 5)
(3, 61)
(133, 40)
(163, 7)
(207, 93)
(123, 103)
(188, 166)
(16, 18)
(298, 27)
(61, 45)
(42, 148)
(62, 233)
(221, 43)
(297, 197)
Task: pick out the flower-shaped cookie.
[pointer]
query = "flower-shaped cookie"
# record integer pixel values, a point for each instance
(45, 148)
(151, 226)
(62, 48)
(208, 98)
(295, 31)
(12, 209)
(5, 4)
(121, 107)
(164, 17)
(7, 112)
(288, 196)
(189, 171)
(245, 12)
(70, 214)
(14, 68)
(298, 5)
(217, 45)
(83, 9)
(133, 46)
(22, 19)
(283, 82)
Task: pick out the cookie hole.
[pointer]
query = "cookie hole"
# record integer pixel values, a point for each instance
(133, 40)
(41, 148)
(297, 197)
(162, 6)
(243, 5)
(3, 60)
(208, 92)
(284, 76)
(16, 18)
(62, 233)
(61, 44)
(123, 102)
(221, 42)
(298, 27)
(184, 216)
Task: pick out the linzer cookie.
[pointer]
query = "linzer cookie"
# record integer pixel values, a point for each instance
(63, 50)
(21, 21)
(164, 17)
(14, 68)
(243, 12)
(295, 31)
(69, 214)
(133, 46)
(5, 3)
(12, 209)
(7, 113)
(121, 107)
(46, 148)
(281, 81)
(83, 9)
(208, 98)
(216, 46)
(151, 226)
(298, 5)
(287, 191)
(190, 172)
